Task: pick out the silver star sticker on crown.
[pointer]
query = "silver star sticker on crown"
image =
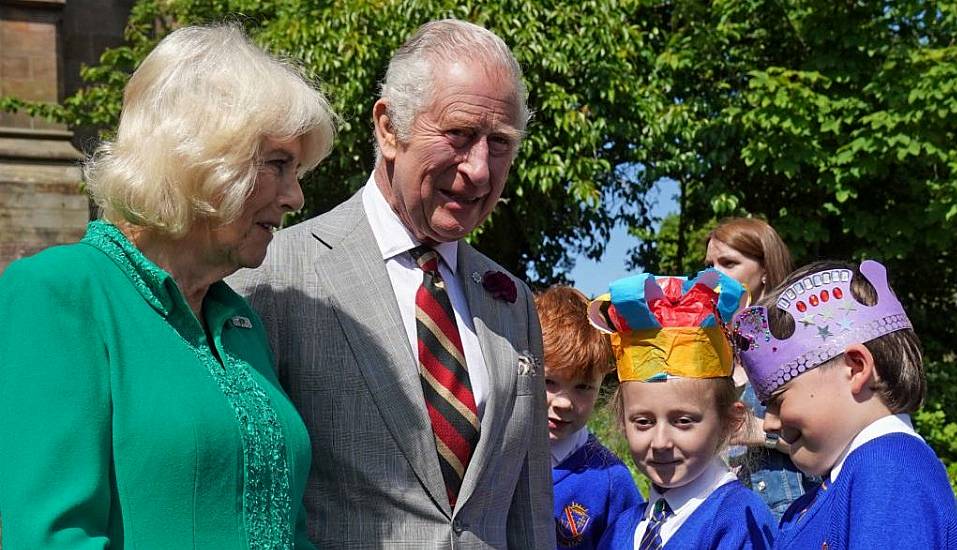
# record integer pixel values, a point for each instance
(848, 307)
(846, 324)
(807, 319)
(824, 332)
(826, 313)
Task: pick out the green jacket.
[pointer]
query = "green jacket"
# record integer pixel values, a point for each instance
(118, 426)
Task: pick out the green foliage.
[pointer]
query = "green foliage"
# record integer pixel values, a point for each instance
(585, 64)
(835, 121)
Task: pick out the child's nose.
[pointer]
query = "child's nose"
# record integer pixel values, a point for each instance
(661, 438)
(771, 422)
(561, 401)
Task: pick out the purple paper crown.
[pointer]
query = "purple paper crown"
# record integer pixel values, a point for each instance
(827, 319)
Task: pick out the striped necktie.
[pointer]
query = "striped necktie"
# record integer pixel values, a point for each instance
(651, 540)
(445, 379)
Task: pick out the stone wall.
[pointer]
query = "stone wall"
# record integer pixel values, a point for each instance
(43, 44)
(41, 199)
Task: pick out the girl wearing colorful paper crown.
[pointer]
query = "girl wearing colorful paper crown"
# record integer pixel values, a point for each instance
(677, 406)
(833, 355)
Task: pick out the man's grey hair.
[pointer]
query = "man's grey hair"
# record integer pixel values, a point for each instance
(408, 84)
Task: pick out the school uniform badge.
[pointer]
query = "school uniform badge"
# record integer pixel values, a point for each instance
(572, 524)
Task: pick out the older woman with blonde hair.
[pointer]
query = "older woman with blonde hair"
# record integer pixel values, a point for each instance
(138, 403)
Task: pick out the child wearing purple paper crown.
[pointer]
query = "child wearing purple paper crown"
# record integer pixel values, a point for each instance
(591, 485)
(833, 354)
(677, 406)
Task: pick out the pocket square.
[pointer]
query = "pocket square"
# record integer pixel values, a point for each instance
(527, 364)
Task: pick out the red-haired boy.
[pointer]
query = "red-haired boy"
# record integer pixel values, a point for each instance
(591, 484)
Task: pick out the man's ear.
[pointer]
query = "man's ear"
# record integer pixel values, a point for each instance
(384, 130)
(860, 362)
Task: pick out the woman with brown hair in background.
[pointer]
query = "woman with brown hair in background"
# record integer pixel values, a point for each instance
(752, 252)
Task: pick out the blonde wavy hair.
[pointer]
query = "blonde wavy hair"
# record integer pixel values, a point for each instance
(195, 115)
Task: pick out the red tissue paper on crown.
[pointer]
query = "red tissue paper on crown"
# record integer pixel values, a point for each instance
(677, 309)
(619, 322)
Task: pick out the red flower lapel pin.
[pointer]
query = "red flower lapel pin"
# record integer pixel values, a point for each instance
(500, 285)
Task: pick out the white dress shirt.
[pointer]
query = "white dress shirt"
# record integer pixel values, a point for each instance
(395, 242)
(684, 500)
(564, 448)
(894, 423)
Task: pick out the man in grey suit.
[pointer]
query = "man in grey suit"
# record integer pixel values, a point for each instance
(368, 303)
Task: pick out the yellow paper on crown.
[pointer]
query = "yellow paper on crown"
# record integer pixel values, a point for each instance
(689, 352)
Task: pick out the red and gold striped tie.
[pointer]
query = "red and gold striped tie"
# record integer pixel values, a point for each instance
(445, 378)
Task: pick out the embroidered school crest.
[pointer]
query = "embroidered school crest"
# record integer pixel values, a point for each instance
(572, 524)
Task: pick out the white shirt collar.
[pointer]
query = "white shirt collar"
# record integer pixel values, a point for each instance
(892, 423)
(391, 234)
(565, 448)
(691, 496)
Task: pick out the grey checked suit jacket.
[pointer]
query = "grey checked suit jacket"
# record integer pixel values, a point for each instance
(343, 356)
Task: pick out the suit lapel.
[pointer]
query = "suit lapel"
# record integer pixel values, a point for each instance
(358, 283)
(493, 326)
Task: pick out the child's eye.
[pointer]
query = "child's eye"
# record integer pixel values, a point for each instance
(685, 421)
(643, 423)
(549, 383)
(774, 403)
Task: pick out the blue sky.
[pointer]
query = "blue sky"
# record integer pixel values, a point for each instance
(592, 277)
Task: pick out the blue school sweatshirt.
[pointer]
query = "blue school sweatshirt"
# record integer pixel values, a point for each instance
(732, 518)
(592, 487)
(892, 492)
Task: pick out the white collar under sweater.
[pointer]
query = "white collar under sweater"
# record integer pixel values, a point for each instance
(562, 449)
(893, 423)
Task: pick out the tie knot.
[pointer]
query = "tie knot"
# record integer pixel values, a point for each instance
(661, 510)
(426, 257)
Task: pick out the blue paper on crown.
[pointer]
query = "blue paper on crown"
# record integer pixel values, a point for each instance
(631, 295)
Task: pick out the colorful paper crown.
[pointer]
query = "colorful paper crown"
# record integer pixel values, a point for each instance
(669, 326)
(827, 319)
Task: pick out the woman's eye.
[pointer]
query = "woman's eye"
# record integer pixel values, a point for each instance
(278, 165)
(684, 421)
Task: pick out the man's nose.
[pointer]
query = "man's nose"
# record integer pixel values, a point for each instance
(475, 165)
